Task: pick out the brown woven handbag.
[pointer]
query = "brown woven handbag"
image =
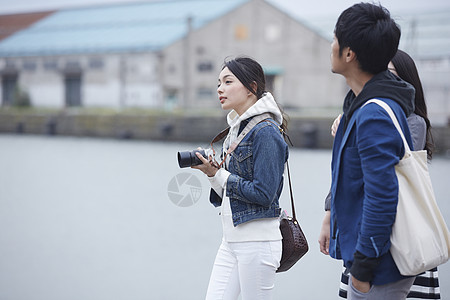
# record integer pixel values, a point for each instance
(294, 241)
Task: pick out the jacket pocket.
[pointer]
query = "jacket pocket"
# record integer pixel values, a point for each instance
(243, 160)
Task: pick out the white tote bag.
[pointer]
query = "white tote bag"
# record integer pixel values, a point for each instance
(420, 239)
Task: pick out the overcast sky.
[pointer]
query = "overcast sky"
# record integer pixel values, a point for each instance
(300, 8)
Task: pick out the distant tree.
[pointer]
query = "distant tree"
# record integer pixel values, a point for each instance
(21, 98)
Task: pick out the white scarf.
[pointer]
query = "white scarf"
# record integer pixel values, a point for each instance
(265, 104)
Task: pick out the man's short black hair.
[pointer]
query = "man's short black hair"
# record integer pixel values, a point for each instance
(369, 31)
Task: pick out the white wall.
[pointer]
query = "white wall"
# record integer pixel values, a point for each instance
(435, 77)
(117, 80)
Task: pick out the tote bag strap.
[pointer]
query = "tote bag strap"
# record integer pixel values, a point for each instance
(394, 120)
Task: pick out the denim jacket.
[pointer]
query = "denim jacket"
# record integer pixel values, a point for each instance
(256, 180)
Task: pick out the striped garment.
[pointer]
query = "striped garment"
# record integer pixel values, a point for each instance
(425, 286)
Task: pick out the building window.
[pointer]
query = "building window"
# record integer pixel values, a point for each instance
(72, 83)
(272, 33)
(50, 65)
(73, 65)
(172, 99)
(96, 63)
(241, 32)
(205, 66)
(200, 50)
(270, 82)
(171, 69)
(29, 65)
(273, 76)
(205, 93)
(9, 87)
(9, 64)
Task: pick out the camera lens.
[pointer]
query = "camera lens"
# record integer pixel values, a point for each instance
(189, 159)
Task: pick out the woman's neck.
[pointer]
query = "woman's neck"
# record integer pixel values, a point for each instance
(243, 108)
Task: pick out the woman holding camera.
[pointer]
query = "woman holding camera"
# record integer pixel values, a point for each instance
(249, 185)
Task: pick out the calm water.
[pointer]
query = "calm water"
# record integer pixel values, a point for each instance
(87, 219)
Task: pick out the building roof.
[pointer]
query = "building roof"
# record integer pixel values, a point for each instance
(151, 26)
(10, 24)
(142, 26)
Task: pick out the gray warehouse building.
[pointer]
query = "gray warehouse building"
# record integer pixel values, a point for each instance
(164, 55)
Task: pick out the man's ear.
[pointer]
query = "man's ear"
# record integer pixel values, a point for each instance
(350, 55)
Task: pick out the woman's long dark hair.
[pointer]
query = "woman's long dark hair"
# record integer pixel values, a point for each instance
(406, 70)
(250, 73)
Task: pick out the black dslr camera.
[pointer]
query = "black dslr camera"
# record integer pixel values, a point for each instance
(189, 159)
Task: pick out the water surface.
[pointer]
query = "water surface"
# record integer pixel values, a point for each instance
(89, 219)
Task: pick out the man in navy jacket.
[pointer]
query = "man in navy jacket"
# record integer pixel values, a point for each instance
(367, 146)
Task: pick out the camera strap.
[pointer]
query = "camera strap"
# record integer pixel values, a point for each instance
(252, 123)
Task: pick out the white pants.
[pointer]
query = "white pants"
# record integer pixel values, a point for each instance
(246, 268)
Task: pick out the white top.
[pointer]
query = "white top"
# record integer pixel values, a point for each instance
(267, 229)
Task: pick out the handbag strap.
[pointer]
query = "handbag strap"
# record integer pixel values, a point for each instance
(290, 192)
(394, 120)
(288, 139)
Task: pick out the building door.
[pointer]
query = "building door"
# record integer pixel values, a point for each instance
(9, 87)
(73, 89)
(270, 83)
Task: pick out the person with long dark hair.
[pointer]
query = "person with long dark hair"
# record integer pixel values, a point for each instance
(249, 186)
(404, 67)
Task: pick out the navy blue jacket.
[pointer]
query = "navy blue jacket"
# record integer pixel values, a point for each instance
(364, 191)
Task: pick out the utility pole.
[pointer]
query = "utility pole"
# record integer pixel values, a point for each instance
(412, 40)
(187, 84)
(123, 81)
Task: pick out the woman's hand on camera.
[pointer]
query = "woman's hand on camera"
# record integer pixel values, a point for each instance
(207, 167)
